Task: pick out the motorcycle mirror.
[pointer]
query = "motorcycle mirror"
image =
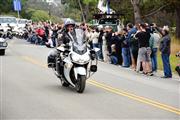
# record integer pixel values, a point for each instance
(93, 68)
(92, 54)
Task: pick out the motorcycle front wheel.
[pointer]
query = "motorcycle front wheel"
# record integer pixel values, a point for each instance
(81, 83)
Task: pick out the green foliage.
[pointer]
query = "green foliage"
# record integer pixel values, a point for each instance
(93, 2)
(5, 6)
(73, 13)
(56, 19)
(39, 15)
(90, 7)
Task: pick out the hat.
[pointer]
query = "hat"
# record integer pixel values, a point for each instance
(100, 26)
(107, 27)
(166, 28)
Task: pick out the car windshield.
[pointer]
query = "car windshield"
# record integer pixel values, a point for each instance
(107, 21)
(22, 21)
(8, 20)
(79, 42)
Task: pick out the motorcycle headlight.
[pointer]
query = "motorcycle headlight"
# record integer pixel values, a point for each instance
(80, 59)
(75, 58)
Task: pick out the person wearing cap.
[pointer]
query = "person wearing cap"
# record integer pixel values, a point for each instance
(165, 49)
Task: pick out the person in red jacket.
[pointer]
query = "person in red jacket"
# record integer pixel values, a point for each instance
(40, 32)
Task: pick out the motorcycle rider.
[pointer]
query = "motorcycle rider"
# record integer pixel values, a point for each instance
(64, 37)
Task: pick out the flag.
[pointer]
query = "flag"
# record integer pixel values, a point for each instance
(17, 5)
(108, 6)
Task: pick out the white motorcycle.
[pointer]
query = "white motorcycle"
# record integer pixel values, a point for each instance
(75, 64)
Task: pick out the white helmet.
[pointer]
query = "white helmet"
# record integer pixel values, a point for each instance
(69, 21)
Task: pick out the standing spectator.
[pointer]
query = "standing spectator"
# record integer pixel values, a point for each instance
(108, 36)
(88, 36)
(144, 50)
(125, 49)
(94, 37)
(104, 46)
(50, 40)
(100, 41)
(138, 62)
(131, 31)
(46, 27)
(54, 35)
(154, 43)
(165, 52)
(117, 42)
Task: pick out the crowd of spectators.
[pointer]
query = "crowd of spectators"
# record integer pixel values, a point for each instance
(135, 46)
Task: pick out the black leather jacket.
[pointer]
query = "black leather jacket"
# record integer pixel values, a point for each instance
(65, 38)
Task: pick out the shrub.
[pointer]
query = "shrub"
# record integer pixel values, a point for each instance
(40, 15)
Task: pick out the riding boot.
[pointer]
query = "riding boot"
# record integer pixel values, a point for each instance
(59, 66)
(51, 62)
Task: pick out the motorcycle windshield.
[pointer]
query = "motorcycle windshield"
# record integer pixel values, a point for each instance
(79, 42)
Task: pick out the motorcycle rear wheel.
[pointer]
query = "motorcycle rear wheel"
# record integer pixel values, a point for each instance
(81, 83)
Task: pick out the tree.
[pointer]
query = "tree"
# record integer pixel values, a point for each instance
(178, 21)
(5, 6)
(82, 13)
(170, 6)
(89, 6)
(177, 11)
(137, 12)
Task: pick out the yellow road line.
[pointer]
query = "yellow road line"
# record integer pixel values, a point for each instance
(31, 60)
(118, 91)
(135, 97)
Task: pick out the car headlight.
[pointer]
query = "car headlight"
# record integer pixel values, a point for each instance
(4, 44)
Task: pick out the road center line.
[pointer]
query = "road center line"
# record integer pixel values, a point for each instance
(135, 97)
(118, 91)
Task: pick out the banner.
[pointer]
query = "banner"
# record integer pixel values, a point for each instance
(17, 5)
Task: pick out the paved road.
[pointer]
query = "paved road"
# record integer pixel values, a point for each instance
(29, 90)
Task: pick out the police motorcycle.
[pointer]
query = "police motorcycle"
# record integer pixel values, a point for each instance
(75, 62)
